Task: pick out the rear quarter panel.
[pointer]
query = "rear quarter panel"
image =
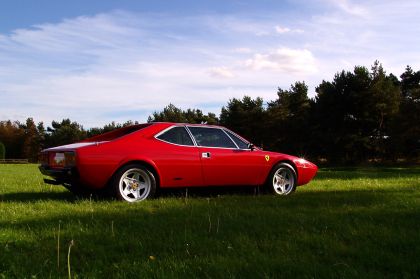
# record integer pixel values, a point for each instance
(97, 163)
(176, 166)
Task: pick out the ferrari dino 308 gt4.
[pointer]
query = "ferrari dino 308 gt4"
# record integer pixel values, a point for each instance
(131, 163)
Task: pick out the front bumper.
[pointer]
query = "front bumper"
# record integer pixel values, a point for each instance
(60, 176)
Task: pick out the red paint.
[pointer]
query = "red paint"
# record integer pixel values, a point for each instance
(98, 158)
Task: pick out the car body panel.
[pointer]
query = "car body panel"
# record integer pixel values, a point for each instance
(97, 159)
(226, 166)
(178, 165)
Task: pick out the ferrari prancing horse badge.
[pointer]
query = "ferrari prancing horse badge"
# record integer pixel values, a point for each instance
(267, 158)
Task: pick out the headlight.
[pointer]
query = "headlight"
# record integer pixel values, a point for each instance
(302, 162)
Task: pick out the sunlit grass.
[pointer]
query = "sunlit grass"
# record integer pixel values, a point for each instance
(346, 223)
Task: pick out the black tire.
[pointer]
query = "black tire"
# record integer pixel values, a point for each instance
(282, 180)
(133, 183)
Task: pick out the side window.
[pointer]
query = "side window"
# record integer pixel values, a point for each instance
(211, 137)
(177, 135)
(241, 143)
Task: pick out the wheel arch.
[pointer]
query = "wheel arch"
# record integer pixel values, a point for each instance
(150, 166)
(289, 162)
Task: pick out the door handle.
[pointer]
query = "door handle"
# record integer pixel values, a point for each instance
(205, 155)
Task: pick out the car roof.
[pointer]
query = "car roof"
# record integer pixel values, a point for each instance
(188, 124)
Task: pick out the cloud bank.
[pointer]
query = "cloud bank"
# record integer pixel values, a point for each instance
(121, 65)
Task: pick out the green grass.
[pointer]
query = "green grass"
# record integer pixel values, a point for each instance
(347, 223)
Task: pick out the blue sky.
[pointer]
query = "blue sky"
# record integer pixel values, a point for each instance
(101, 61)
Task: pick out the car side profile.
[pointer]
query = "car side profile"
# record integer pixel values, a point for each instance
(131, 163)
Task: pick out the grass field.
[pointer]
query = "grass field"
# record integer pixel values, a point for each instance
(347, 223)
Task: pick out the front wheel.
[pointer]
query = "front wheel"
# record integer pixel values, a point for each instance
(282, 180)
(134, 183)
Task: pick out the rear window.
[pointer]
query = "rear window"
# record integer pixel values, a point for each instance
(176, 135)
(118, 133)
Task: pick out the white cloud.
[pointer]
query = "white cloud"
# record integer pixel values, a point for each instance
(242, 50)
(351, 8)
(73, 34)
(120, 65)
(284, 60)
(227, 24)
(282, 30)
(373, 30)
(222, 72)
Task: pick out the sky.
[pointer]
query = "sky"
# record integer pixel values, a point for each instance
(101, 61)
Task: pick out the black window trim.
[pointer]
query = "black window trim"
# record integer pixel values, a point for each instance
(210, 127)
(170, 128)
(237, 147)
(238, 136)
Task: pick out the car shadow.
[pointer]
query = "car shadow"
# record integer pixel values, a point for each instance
(318, 197)
(37, 196)
(210, 191)
(162, 193)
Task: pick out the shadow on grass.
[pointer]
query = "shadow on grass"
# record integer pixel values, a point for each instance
(358, 228)
(362, 173)
(316, 198)
(37, 196)
(163, 193)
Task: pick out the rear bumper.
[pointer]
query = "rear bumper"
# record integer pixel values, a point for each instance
(60, 176)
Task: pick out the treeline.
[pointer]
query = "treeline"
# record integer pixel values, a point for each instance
(25, 140)
(360, 116)
(364, 115)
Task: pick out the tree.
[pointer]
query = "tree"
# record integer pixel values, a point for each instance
(173, 114)
(197, 116)
(245, 117)
(169, 114)
(33, 138)
(352, 114)
(64, 132)
(287, 120)
(2, 151)
(12, 136)
(108, 128)
(384, 105)
(405, 135)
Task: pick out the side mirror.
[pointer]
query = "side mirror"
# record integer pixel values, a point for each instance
(251, 146)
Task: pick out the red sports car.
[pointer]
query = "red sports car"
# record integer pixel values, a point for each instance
(134, 161)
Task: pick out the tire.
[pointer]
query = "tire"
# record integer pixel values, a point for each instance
(282, 180)
(133, 183)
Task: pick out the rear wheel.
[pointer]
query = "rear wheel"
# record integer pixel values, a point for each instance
(282, 180)
(134, 183)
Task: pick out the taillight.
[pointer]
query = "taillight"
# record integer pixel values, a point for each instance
(62, 159)
(70, 159)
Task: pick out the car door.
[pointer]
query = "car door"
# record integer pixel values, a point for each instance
(223, 163)
(177, 158)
